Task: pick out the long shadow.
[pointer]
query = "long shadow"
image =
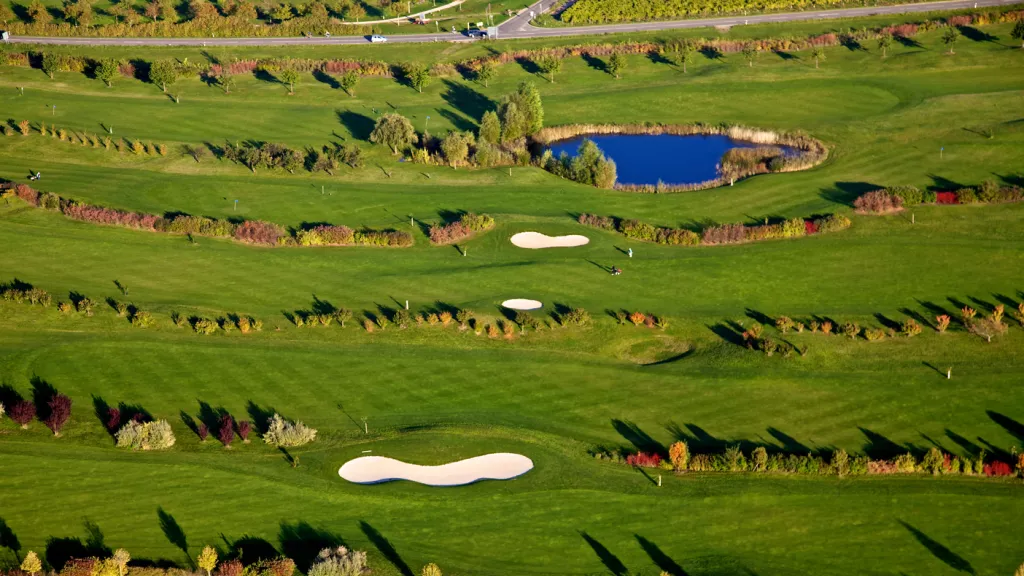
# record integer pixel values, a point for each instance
(1012, 426)
(786, 55)
(461, 123)
(846, 192)
(759, 317)
(60, 550)
(879, 447)
(252, 550)
(975, 35)
(887, 322)
(9, 540)
(302, 542)
(969, 447)
(789, 444)
(357, 124)
(727, 332)
(210, 416)
(94, 540)
(952, 559)
(637, 437)
(42, 393)
(466, 100)
(938, 310)
(907, 42)
(9, 396)
(660, 559)
(386, 549)
(321, 76)
(173, 532)
(595, 62)
(942, 184)
(610, 561)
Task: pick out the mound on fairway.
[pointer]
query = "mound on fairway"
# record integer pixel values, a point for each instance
(376, 469)
(522, 304)
(535, 240)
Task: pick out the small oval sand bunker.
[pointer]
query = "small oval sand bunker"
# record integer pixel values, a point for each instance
(535, 240)
(522, 304)
(377, 469)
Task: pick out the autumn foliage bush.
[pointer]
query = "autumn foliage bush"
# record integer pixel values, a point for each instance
(878, 202)
(465, 226)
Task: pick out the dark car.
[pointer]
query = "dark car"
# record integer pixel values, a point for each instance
(476, 33)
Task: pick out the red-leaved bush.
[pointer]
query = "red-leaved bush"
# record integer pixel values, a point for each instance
(230, 568)
(23, 412)
(810, 227)
(878, 202)
(226, 432)
(203, 431)
(945, 198)
(113, 419)
(79, 567)
(644, 460)
(111, 216)
(259, 232)
(244, 428)
(60, 412)
(998, 468)
(27, 194)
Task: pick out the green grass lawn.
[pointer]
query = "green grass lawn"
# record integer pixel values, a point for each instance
(431, 395)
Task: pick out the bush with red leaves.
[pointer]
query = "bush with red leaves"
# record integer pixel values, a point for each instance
(244, 428)
(998, 468)
(878, 202)
(259, 232)
(945, 198)
(226, 432)
(60, 412)
(230, 568)
(644, 460)
(113, 419)
(23, 412)
(203, 431)
(110, 216)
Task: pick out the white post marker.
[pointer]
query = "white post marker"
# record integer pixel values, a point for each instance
(406, 304)
(949, 373)
(659, 480)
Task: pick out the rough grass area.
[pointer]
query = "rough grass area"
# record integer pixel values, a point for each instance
(430, 394)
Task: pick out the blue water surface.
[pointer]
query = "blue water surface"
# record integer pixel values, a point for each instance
(649, 158)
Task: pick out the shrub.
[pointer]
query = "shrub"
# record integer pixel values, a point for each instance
(281, 432)
(637, 318)
(910, 327)
(832, 223)
(643, 460)
(679, 455)
(60, 412)
(966, 196)
(145, 435)
(339, 561)
(22, 412)
(997, 468)
(402, 318)
(226, 430)
(260, 232)
(909, 195)
(204, 326)
(759, 459)
(942, 322)
(203, 431)
(905, 463)
(446, 318)
(933, 461)
(230, 568)
(602, 222)
(575, 316)
(784, 324)
(967, 313)
(873, 334)
(987, 328)
(840, 462)
(878, 202)
(492, 331)
(850, 330)
(244, 429)
(142, 319)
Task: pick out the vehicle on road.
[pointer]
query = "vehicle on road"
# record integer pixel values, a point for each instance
(476, 33)
(378, 38)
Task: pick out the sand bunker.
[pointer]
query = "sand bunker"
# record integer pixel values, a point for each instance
(376, 469)
(534, 240)
(522, 304)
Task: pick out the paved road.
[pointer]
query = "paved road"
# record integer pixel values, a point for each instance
(520, 27)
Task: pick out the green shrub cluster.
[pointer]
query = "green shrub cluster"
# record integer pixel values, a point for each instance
(155, 435)
(281, 432)
(721, 234)
(588, 166)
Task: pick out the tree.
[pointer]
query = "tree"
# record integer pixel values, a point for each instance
(207, 559)
(168, 13)
(121, 558)
(521, 113)
(107, 70)
(548, 64)
(486, 72)
(818, 54)
(226, 431)
(950, 36)
(38, 13)
(749, 53)
(590, 166)
(490, 128)
(289, 76)
(226, 81)
(31, 563)
(78, 12)
(455, 147)
(23, 412)
(431, 570)
(394, 130)
(163, 73)
(679, 455)
(1016, 34)
(201, 10)
(615, 64)
(60, 412)
(282, 13)
(348, 82)
(682, 53)
(51, 63)
(884, 43)
(418, 76)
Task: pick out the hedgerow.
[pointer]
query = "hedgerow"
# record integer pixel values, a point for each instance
(897, 197)
(719, 234)
(464, 227)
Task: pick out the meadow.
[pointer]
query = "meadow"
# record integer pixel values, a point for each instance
(432, 394)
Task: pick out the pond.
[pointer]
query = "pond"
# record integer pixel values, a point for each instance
(668, 158)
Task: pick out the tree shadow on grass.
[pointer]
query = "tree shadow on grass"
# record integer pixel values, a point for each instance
(466, 100)
(251, 549)
(728, 331)
(951, 559)
(321, 76)
(975, 35)
(9, 540)
(173, 532)
(302, 542)
(637, 437)
(259, 416)
(9, 396)
(787, 56)
(595, 62)
(60, 550)
(660, 559)
(610, 561)
(969, 447)
(846, 192)
(386, 549)
(358, 125)
(1012, 426)
(42, 393)
(881, 448)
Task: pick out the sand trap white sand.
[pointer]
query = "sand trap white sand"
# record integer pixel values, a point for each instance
(534, 240)
(522, 304)
(375, 469)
